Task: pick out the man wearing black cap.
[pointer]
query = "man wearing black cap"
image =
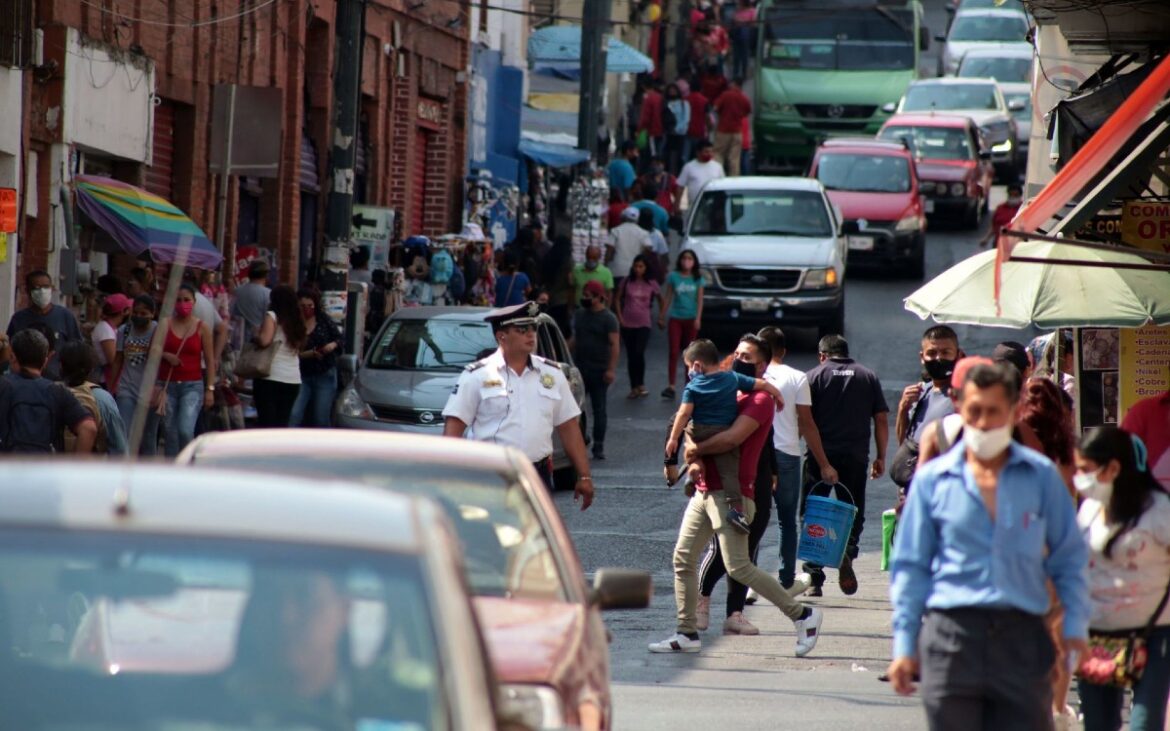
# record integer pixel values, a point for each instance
(516, 398)
(1009, 351)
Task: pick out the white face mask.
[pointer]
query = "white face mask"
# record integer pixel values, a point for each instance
(1091, 487)
(989, 444)
(42, 296)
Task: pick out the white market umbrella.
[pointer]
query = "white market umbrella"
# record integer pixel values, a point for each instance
(1046, 295)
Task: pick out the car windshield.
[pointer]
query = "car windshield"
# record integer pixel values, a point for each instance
(436, 344)
(941, 97)
(1013, 70)
(863, 39)
(933, 143)
(761, 212)
(992, 5)
(505, 546)
(1004, 28)
(1024, 113)
(867, 173)
(103, 631)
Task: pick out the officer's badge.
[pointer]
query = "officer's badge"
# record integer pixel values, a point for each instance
(493, 382)
(547, 380)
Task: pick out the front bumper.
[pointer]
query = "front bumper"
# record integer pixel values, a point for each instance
(765, 308)
(788, 142)
(889, 248)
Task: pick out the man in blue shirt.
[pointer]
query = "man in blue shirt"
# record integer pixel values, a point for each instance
(621, 169)
(985, 526)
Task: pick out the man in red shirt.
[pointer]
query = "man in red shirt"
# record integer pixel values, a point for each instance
(1150, 420)
(712, 83)
(733, 107)
(706, 515)
(1004, 213)
(651, 117)
(697, 129)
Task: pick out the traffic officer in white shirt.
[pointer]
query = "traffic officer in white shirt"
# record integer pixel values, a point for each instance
(515, 398)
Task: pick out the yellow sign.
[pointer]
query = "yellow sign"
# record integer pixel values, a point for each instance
(3, 247)
(1145, 351)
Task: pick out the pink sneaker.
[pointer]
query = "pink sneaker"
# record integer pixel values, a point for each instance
(737, 624)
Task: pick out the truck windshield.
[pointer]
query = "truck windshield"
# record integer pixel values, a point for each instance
(864, 173)
(933, 143)
(925, 97)
(864, 40)
(761, 213)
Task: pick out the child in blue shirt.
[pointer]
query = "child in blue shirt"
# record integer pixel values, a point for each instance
(709, 406)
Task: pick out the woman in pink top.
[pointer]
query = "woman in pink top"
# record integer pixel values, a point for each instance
(634, 300)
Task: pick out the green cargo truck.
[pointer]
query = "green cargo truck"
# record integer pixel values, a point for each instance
(828, 67)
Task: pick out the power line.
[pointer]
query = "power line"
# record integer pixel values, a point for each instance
(166, 24)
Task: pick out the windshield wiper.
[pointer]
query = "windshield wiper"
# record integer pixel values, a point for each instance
(780, 232)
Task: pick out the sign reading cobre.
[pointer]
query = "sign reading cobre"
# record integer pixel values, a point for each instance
(8, 208)
(430, 111)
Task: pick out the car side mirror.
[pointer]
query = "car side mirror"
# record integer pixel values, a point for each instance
(985, 154)
(348, 365)
(923, 38)
(889, 107)
(621, 589)
(1016, 105)
(850, 228)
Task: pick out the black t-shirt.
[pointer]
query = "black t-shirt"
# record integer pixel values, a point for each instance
(591, 331)
(845, 397)
(34, 412)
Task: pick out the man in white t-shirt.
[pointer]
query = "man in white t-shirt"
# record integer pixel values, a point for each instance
(697, 173)
(626, 241)
(788, 426)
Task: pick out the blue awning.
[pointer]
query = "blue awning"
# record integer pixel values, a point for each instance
(553, 155)
(560, 46)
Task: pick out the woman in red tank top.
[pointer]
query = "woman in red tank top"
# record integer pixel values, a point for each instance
(185, 338)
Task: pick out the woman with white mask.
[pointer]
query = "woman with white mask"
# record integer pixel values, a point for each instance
(1125, 516)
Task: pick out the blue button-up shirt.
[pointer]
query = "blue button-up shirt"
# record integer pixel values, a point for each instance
(949, 554)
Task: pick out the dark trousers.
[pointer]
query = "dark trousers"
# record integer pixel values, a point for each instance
(634, 339)
(597, 389)
(274, 402)
(986, 670)
(674, 153)
(852, 471)
(544, 469)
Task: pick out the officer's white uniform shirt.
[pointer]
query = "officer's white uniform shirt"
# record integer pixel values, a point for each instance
(518, 411)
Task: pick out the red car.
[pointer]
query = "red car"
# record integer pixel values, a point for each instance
(954, 164)
(874, 183)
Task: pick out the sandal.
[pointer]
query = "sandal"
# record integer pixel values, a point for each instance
(668, 392)
(642, 392)
(633, 394)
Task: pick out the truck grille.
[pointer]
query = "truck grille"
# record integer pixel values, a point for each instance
(763, 280)
(836, 118)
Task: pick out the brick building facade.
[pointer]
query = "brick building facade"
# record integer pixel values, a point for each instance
(125, 89)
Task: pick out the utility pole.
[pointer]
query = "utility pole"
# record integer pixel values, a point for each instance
(595, 23)
(347, 69)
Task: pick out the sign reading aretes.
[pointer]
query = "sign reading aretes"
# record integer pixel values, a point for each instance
(1145, 351)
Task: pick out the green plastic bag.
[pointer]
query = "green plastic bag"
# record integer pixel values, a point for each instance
(642, 140)
(889, 522)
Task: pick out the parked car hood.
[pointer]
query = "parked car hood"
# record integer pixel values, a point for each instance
(419, 389)
(781, 251)
(958, 49)
(946, 170)
(870, 206)
(531, 641)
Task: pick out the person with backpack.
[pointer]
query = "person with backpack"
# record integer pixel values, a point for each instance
(34, 411)
(78, 360)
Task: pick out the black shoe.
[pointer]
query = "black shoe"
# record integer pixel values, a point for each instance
(814, 591)
(846, 578)
(598, 454)
(668, 392)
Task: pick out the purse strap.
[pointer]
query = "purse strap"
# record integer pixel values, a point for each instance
(1158, 611)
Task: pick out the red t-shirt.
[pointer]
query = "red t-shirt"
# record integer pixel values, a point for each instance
(712, 85)
(698, 124)
(651, 119)
(733, 107)
(1002, 216)
(613, 216)
(1150, 420)
(758, 407)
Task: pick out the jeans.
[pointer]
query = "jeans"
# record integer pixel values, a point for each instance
(1102, 704)
(705, 517)
(634, 339)
(741, 49)
(126, 407)
(787, 498)
(680, 334)
(184, 402)
(597, 389)
(315, 401)
(852, 471)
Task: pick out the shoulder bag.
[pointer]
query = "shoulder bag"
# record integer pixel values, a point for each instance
(255, 361)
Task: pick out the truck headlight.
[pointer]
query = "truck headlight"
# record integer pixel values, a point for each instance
(708, 277)
(532, 706)
(1005, 146)
(352, 405)
(820, 278)
(907, 224)
(958, 188)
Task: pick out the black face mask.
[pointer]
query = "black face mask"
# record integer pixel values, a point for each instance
(747, 369)
(587, 303)
(140, 323)
(940, 369)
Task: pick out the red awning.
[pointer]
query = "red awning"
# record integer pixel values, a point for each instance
(1087, 163)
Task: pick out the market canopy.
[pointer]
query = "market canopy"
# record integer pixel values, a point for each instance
(560, 46)
(143, 222)
(1100, 291)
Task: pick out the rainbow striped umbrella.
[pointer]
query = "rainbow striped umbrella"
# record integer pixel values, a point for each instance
(143, 222)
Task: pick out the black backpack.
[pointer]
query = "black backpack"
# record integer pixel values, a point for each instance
(28, 424)
(669, 120)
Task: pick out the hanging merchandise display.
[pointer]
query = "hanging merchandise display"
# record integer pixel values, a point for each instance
(588, 200)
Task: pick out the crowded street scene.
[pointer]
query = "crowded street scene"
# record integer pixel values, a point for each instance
(625, 365)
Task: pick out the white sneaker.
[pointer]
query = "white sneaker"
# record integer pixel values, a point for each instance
(737, 624)
(1065, 721)
(800, 584)
(752, 597)
(676, 643)
(703, 613)
(808, 631)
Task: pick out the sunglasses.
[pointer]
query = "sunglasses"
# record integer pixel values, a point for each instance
(523, 329)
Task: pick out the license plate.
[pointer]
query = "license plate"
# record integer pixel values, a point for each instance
(860, 243)
(755, 305)
(928, 205)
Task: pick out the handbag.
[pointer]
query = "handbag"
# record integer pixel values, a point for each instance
(255, 361)
(158, 398)
(905, 462)
(1118, 658)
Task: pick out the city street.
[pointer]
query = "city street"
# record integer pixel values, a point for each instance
(755, 682)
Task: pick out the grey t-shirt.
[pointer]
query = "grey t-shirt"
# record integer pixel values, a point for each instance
(251, 304)
(591, 331)
(134, 349)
